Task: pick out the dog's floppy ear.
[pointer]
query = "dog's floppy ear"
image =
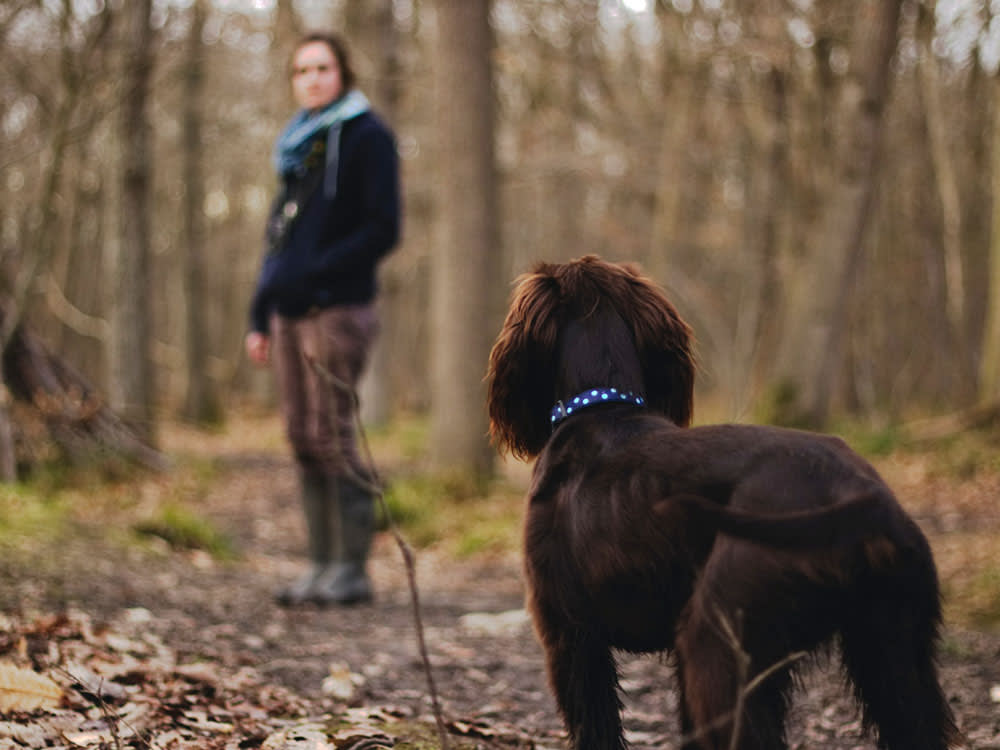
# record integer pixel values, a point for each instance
(521, 387)
(663, 341)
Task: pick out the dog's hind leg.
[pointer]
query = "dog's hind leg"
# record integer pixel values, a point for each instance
(717, 697)
(707, 692)
(584, 677)
(888, 644)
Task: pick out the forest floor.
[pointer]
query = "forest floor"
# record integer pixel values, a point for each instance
(153, 645)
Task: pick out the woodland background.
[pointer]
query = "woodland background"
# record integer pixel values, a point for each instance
(813, 181)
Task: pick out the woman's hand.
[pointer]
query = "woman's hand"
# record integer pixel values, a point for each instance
(258, 348)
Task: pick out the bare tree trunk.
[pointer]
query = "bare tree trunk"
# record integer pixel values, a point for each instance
(286, 30)
(989, 371)
(667, 230)
(975, 177)
(681, 79)
(946, 182)
(823, 298)
(378, 398)
(767, 195)
(462, 275)
(202, 404)
(131, 388)
(568, 195)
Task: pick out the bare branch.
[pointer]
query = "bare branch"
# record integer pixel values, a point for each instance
(374, 486)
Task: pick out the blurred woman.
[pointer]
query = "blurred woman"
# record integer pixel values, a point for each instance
(336, 215)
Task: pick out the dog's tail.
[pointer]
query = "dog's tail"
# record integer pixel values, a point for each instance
(856, 518)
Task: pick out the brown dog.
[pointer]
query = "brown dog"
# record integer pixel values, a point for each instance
(734, 547)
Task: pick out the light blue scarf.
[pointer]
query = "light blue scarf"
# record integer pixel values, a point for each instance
(295, 141)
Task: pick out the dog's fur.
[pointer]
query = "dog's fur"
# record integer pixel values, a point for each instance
(645, 535)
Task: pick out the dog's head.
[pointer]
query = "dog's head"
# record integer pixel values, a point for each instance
(585, 324)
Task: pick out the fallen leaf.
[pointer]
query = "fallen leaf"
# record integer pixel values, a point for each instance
(341, 683)
(360, 741)
(30, 735)
(124, 645)
(88, 681)
(302, 737)
(472, 728)
(495, 624)
(200, 721)
(25, 690)
(89, 739)
(199, 672)
(364, 730)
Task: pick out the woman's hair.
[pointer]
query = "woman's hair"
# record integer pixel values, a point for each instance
(336, 46)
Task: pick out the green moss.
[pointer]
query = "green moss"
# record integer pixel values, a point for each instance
(431, 510)
(28, 510)
(183, 529)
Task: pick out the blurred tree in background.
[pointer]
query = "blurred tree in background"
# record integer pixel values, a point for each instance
(813, 181)
(131, 382)
(464, 258)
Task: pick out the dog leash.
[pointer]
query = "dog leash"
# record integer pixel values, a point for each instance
(592, 397)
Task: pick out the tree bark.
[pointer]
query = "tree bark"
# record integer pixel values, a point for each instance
(462, 274)
(682, 78)
(202, 404)
(378, 397)
(949, 199)
(767, 196)
(131, 387)
(989, 371)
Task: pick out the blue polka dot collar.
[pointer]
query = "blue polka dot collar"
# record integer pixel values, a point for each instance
(589, 398)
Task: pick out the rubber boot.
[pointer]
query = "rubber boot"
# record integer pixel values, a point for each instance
(347, 582)
(323, 527)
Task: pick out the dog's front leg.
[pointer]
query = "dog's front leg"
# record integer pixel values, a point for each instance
(585, 681)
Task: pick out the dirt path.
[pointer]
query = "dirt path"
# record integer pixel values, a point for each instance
(487, 664)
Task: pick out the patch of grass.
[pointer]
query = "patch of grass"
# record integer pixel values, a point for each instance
(969, 566)
(92, 471)
(874, 443)
(413, 505)
(965, 455)
(779, 405)
(480, 541)
(962, 455)
(404, 436)
(983, 595)
(449, 510)
(183, 529)
(29, 511)
(873, 439)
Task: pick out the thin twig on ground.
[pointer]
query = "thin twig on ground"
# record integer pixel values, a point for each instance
(110, 717)
(374, 486)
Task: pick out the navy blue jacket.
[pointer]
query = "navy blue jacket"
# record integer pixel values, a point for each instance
(332, 248)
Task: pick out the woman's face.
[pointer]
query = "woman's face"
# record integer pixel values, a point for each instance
(315, 76)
